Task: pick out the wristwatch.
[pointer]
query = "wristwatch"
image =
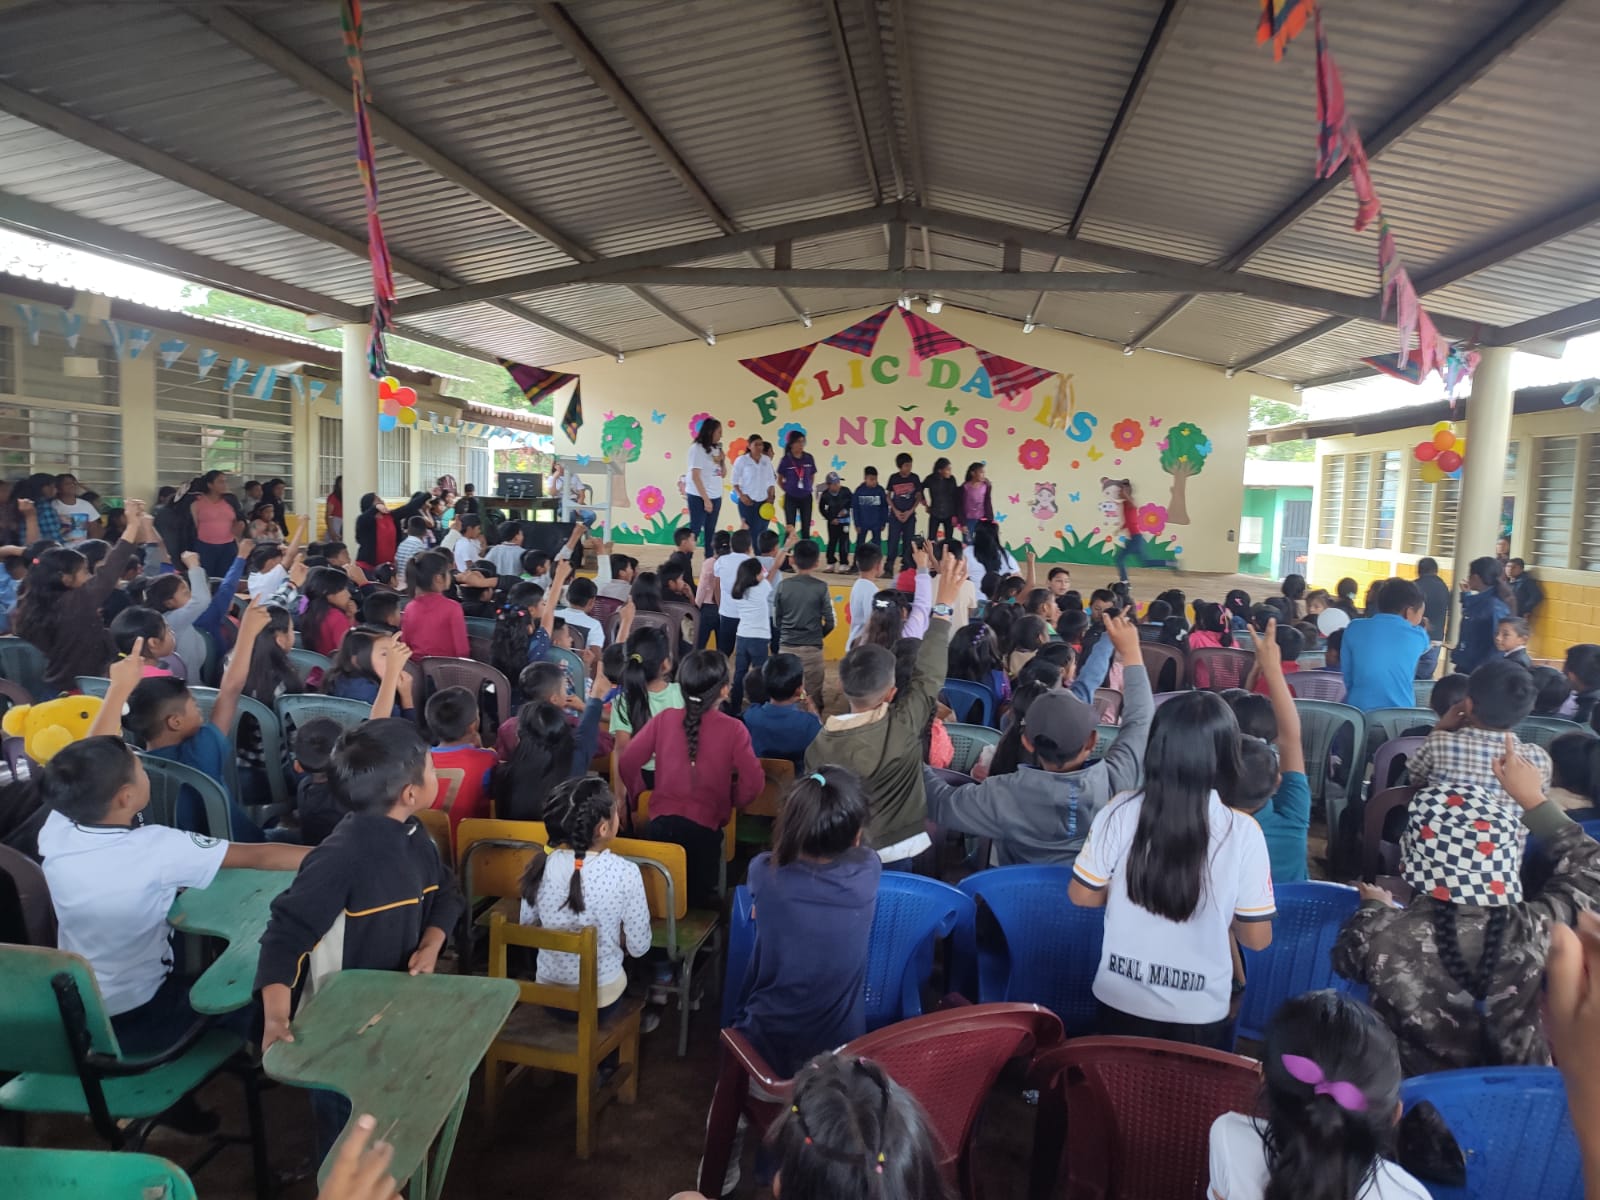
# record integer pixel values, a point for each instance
(943, 610)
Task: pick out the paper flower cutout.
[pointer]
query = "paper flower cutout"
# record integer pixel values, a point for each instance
(699, 419)
(651, 501)
(783, 435)
(1033, 454)
(1152, 519)
(1127, 434)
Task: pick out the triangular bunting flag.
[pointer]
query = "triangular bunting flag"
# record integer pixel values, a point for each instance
(115, 333)
(136, 340)
(780, 369)
(572, 418)
(71, 327)
(927, 339)
(266, 377)
(30, 318)
(1281, 21)
(1332, 115)
(1407, 309)
(298, 383)
(236, 372)
(1368, 208)
(172, 350)
(1390, 364)
(204, 361)
(1008, 376)
(535, 383)
(315, 388)
(862, 337)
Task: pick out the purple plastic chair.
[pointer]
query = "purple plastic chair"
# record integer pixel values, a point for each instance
(1383, 761)
(1317, 685)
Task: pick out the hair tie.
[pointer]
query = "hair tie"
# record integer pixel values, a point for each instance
(636, 658)
(549, 849)
(1346, 1095)
(577, 860)
(820, 778)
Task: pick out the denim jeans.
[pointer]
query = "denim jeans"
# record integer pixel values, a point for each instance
(750, 652)
(750, 514)
(703, 518)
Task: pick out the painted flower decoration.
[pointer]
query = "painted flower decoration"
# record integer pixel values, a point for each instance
(651, 501)
(1127, 435)
(1033, 454)
(783, 434)
(699, 419)
(1152, 519)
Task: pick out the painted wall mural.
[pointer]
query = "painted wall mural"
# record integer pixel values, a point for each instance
(1046, 446)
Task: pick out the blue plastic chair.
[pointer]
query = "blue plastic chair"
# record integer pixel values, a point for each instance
(1300, 958)
(1048, 948)
(1512, 1125)
(912, 914)
(962, 694)
(741, 945)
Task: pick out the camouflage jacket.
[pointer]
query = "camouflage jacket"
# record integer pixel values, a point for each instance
(1392, 951)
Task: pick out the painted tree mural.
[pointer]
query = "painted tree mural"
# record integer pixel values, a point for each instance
(621, 441)
(1183, 454)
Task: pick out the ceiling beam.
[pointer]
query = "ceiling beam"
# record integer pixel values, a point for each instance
(107, 141)
(1479, 258)
(660, 256)
(852, 91)
(900, 31)
(1565, 322)
(1525, 20)
(594, 65)
(1154, 47)
(901, 279)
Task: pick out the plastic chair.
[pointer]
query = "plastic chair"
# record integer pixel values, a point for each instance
(1104, 735)
(1158, 659)
(1107, 705)
(480, 627)
(1373, 820)
(57, 1042)
(476, 677)
(306, 661)
(1544, 730)
(295, 710)
(27, 917)
(532, 1037)
(968, 742)
(24, 664)
(1161, 698)
(1313, 660)
(605, 608)
(1317, 685)
(92, 685)
(948, 1061)
(1422, 689)
(1214, 668)
(1390, 723)
(437, 822)
(963, 694)
(660, 620)
(168, 780)
(1322, 721)
(577, 675)
(12, 694)
(912, 914)
(51, 1174)
(1385, 757)
(479, 649)
(1299, 959)
(1513, 1128)
(1137, 1114)
(1030, 943)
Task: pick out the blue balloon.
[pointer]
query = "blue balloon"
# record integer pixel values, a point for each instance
(386, 422)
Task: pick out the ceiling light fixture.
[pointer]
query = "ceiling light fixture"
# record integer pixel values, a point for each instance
(1028, 327)
(711, 339)
(935, 304)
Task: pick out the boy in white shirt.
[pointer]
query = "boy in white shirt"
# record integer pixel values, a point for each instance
(869, 565)
(112, 883)
(506, 554)
(78, 517)
(276, 572)
(468, 548)
(581, 595)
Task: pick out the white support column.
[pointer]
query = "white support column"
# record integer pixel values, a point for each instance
(359, 412)
(1483, 479)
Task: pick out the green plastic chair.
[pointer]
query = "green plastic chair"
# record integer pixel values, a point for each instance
(24, 663)
(295, 710)
(1386, 724)
(576, 675)
(57, 1041)
(1544, 730)
(305, 661)
(1422, 690)
(58, 1174)
(93, 685)
(167, 781)
(1321, 721)
(968, 742)
(480, 627)
(1104, 735)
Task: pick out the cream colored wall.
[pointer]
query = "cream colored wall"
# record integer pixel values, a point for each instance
(841, 397)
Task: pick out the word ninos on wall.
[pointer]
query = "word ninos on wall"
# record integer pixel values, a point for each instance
(941, 374)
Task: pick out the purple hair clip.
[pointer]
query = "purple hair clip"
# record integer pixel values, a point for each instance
(1346, 1095)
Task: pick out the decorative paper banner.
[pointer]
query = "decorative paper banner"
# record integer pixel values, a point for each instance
(862, 337)
(1281, 21)
(172, 350)
(236, 372)
(780, 369)
(136, 340)
(71, 327)
(315, 388)
(1008, 376)
(266, 377)
(204, 361)
(536, 383)
(1332, 115)
(383, 295)
(115, 333)
(1585, 394)
(927, 339)
(30, 318)
(298, 383)
(1390, 364)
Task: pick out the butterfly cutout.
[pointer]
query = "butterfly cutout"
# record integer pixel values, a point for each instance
(1074, 497)
(606, 416)
(950, 408)
(1155, 422)
(838, 463)
(657, 417)
(1162, 444)
(1000, 516)
(583, 460)
(1095, 455)
(1015, 499)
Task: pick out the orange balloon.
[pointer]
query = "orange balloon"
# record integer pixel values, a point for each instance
(1444, 439)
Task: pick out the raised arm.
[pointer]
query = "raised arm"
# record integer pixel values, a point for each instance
(394, 669)
(125, 674)
(109, 573)
(1124, 759)
(30, 521)
(211, 619)
(255, 619)
(1269, 665)
(922, 593)
(199, 594)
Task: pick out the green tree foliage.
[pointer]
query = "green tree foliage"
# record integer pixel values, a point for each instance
(1264, 414)
(1184, 454)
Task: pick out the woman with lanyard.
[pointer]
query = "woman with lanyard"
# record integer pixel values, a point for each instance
(215, 516)
(798, 475)
(754, 483)
(704, 489)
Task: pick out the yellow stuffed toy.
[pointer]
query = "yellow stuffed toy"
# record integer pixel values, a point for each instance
(49, 727)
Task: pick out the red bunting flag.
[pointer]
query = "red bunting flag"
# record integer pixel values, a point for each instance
(862, 337)
(1008, 376)
(535, 383)
(1332, 115)
(927, 339)
(780, 369)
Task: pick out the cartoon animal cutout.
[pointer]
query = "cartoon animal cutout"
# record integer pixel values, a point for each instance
(1044, 501)
(1111, 504)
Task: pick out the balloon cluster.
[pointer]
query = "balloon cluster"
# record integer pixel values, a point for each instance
(396, 405)
(1441, 455)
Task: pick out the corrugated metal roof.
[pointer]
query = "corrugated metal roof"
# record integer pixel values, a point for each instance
(1010, 104)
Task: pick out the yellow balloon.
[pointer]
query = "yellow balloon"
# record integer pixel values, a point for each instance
(1432, 473)
(1460, 447)
(1442, 427)
(766, 512)
(407, 416)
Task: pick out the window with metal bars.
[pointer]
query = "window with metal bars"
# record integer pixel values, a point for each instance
(179, 389)
(330, 453)
(1358, 499)
(1589, 545)
(441, 455)
(8, 360)
(87, 443)
(1332, 498)
(186, 449)
(1430, 515)
(1554, 501)
(394, 463)
(1388, 497)
(41, 373)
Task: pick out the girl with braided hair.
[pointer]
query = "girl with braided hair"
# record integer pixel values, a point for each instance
(577, 882)
(704, 768)
(1456, 972)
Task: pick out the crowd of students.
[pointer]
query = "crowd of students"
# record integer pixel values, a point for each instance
(1179, 828)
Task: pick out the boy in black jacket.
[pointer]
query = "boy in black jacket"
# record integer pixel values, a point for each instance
(835, 505)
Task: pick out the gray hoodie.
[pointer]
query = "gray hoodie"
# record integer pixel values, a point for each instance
(1037, 816)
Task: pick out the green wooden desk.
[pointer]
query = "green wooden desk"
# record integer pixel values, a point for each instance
(236, 907)
(403, 1049)
(90, 1175)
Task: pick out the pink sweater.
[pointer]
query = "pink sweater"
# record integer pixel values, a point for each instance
(434, 626)
(725, 774)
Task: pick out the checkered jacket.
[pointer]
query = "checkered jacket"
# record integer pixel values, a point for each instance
(1393, 952)
(1457, 758)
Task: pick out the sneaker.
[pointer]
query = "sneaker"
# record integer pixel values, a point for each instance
(649, 1021)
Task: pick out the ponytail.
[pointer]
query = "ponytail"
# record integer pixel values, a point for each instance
(701, 678)
(648, 655)
(576, 809)
(508, 645)
(823, 815)
(748, 574)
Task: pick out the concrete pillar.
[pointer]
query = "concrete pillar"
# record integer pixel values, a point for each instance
(360, 414)
(1483, 478)
(136, 389)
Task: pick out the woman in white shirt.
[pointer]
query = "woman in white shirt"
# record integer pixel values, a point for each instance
(1178, 872)
(1332, 1099)
(705, 480)
(754, 483)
